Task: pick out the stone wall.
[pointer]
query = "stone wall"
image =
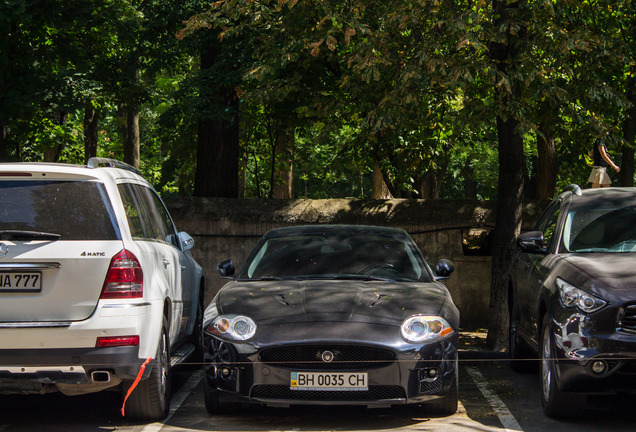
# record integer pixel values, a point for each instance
(457, 230)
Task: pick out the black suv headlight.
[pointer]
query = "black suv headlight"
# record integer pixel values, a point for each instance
(572, 296)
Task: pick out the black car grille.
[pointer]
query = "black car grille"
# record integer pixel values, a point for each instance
(628, 367)
(628, 319)
(374, 393)
(345, 357)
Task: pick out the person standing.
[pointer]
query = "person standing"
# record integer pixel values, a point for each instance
(601, 160)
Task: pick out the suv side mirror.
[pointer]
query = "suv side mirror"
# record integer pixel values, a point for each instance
(187, 242)
(226, 268)
(532, 242)
(444, 269)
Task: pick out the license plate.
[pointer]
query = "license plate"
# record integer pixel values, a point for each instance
(349, 381)
(20, 282)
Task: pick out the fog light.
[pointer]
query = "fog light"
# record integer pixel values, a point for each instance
(225, 372)
(432, 373)
(599, 367)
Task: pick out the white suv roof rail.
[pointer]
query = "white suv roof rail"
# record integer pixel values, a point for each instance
(96, 162)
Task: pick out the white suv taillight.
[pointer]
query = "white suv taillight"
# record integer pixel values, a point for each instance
(124, 279)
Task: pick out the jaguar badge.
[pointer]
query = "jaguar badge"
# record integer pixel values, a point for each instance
(327, 356)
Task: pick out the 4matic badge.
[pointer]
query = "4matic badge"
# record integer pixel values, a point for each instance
(93, 254)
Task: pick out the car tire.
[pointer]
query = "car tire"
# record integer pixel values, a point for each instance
(151, 399)
(446, 405)
(521, 358)
(556, 403)
(212, 403)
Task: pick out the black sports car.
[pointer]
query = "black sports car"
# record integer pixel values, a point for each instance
(333, 315)
(573, 297)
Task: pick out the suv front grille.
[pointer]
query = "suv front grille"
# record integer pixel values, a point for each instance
(628, 318)
(345, 357)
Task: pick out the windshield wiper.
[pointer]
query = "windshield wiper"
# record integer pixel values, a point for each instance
(27, 235)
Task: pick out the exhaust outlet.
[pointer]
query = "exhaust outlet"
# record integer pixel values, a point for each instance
(100, 376)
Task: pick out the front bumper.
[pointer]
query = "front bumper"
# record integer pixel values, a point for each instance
(580, 343)
(241, 372)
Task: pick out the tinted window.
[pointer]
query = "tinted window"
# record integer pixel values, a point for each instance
(548, 222)
(137, 222)
(77, 210)
(147, 217)
(330, 256)
(550, 230)
(168, 228)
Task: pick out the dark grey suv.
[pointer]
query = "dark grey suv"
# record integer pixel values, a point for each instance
(573, 297)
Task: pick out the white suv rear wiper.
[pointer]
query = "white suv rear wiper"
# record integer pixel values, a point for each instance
(27, 235)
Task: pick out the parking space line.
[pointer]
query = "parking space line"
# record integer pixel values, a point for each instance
(506, 418)
(177, 399)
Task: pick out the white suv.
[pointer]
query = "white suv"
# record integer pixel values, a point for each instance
(94, 281)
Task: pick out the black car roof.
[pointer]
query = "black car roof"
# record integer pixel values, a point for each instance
(335, 229)
(618, 195)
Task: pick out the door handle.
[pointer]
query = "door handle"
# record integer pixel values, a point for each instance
(165, 263)
(183, 268)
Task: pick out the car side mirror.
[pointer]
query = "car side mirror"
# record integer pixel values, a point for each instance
(444, 268)
(187, 242)
(226, 268)
(532, 242)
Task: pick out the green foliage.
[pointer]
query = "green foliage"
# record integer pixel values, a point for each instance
(408, 85)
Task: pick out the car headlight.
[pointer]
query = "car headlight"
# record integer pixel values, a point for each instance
(572, 296)
(421, 328)
(235, 327)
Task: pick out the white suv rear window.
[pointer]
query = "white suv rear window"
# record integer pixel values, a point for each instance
(76, 210)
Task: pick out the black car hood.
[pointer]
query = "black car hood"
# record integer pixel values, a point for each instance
(615, 270)
(329, 300)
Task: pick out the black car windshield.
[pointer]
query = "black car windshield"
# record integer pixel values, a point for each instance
(600, 229)
(359, 257)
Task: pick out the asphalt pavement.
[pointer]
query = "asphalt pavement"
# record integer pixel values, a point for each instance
(492, 398)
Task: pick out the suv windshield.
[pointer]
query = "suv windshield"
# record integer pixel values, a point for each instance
(72, 210)
(366, 257)
(605, 229)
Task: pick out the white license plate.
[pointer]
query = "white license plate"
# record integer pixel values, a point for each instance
(350, 381)
(20, 282)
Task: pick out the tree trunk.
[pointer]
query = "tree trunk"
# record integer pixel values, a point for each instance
(217, 154)
(242, 179)
(379, 189)
(431, 184)
(122, 123)
(4, 153)
(629, 133)
(91, 117)
(547, 168)
(131, 138)
(508, 226)
(131, 143)
(53, 154)
(218, 135)
(470, 185)
(510, 192)
(283, 181)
